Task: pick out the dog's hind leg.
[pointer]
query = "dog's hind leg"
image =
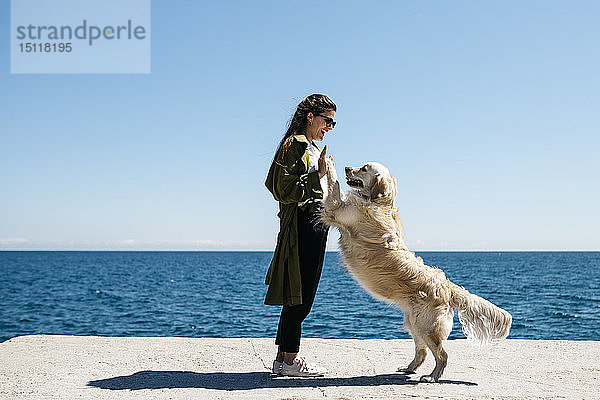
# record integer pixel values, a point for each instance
(420, 355)
(434, 342)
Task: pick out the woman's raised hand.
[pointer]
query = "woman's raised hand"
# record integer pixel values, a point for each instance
(323, 163)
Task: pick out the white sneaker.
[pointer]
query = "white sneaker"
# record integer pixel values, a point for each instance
(277, 367)
(301, 368)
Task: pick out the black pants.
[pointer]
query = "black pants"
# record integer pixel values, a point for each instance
(312, 239)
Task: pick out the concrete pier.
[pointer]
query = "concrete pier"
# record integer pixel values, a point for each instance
(91, 367)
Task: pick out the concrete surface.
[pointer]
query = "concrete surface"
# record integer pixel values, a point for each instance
(84, 367)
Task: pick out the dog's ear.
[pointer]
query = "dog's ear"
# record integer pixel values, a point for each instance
(384, 189)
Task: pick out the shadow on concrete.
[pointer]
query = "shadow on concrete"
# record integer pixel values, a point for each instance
(244, 381)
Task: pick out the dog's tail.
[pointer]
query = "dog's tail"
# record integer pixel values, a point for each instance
(481, 320)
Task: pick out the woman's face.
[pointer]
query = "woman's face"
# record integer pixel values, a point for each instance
(321, 123)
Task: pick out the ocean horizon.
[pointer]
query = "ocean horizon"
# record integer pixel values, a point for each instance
(218, 293)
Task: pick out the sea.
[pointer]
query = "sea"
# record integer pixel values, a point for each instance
(551, 295)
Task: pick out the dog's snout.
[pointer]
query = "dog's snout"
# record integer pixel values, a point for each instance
(348, 169)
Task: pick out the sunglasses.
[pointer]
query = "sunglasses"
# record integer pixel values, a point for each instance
(328, 120)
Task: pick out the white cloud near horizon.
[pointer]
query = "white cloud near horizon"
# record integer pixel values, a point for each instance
(13, 241)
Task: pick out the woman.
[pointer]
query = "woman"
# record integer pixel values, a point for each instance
(297, 179)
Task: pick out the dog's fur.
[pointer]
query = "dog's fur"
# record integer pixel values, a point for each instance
(373, 247)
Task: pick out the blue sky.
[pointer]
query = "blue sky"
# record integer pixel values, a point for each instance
(486, 112)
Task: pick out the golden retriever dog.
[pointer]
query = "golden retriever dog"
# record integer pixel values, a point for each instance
(372, 246)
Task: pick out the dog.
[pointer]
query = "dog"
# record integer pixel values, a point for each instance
(372, 246)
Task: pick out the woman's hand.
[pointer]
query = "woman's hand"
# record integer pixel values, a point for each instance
(323, 163)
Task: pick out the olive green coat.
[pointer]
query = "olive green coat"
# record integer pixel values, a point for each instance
(293, 187)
